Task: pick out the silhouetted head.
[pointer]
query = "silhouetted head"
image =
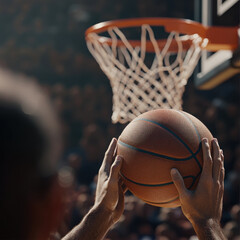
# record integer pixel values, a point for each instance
(30, 147)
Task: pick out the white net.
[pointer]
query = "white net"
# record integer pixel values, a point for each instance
(141, 82)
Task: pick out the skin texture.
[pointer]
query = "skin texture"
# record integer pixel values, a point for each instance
(203, 207)
(109, 200)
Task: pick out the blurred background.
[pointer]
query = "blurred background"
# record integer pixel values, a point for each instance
(45, 39)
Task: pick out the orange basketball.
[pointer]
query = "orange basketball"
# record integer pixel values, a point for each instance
(155, 142)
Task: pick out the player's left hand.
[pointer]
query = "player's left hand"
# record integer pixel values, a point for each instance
(110, 190)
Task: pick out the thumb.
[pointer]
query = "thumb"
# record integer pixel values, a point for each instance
(178, 182)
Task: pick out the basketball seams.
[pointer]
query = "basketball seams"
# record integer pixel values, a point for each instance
(191, 122)
(161, 185)
(158, 141)
(157, 185)
(158, 203)
(177, 137)
(157, 154)
(199, 138)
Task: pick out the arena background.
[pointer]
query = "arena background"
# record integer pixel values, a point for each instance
(45, 39)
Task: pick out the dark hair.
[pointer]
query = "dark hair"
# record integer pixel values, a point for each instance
(30, 145)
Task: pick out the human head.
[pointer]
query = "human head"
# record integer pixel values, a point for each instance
(30, 146)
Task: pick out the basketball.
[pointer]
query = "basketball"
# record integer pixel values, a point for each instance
(154, 143)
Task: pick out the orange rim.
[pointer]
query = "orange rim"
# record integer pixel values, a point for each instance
(219, 38)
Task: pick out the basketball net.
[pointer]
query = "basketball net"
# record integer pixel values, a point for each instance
(139, 86)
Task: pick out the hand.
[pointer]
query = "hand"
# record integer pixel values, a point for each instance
(110, 192)
(205, 203)
(109, 200)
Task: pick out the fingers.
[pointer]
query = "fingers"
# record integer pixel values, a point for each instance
(123, 186)
(217, 160)
(207, 159)
(115, 169)
(222, 170)
(221, 174)
(220, 183)
(108, 157)
(178, 182)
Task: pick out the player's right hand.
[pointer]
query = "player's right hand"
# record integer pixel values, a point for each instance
(205, 202)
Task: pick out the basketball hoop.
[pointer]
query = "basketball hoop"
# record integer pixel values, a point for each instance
(152, 72)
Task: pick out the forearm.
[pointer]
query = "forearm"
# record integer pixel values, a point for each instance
(208, 230)
(93, 226)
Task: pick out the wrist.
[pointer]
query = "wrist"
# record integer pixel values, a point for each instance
(93, 226)
(103, 211)
(209, 222)
(208, 229)
(206, 225)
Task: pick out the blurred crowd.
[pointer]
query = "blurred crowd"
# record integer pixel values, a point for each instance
(45, 39)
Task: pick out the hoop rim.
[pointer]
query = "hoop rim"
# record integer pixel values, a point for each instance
(220, 38)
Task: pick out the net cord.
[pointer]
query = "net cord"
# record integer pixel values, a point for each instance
(136, 87)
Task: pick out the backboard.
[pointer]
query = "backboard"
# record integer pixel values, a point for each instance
(215, 68)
